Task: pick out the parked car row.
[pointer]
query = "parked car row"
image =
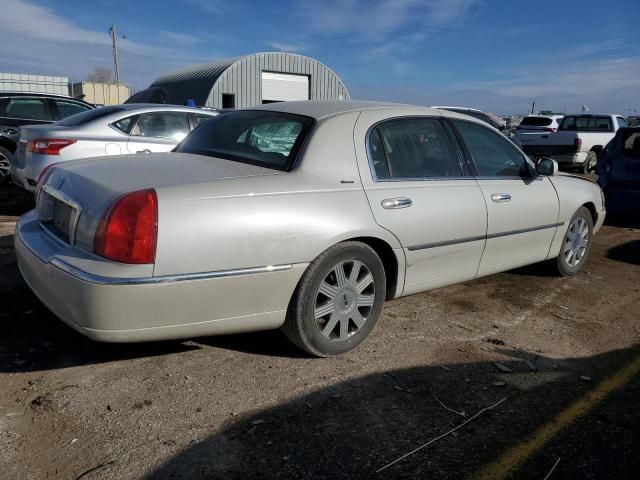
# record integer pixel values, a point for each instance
(577, 141)
(301, 215)
(112, 130)
(18, 109)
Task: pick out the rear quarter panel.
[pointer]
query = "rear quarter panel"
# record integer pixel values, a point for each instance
(269, 220)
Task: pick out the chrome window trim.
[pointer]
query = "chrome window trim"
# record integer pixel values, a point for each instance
(372, 170)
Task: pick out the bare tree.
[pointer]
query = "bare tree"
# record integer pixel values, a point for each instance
(100, 75)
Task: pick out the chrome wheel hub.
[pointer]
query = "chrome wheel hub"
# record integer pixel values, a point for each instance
(576, 242)
(344, 300)
(4, 166)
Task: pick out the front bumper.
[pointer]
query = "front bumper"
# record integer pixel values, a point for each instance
(125, 308)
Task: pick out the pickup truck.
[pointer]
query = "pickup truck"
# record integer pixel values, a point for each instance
(577, 142)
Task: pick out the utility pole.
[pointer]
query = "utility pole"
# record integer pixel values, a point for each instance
(533, 107)
(113, 34)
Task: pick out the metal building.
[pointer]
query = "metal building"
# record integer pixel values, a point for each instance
(252, 80)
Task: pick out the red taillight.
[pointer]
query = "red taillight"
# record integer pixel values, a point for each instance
(48, 146)
(577, 144)
(550, 129)
(43, 176)
(128, 232)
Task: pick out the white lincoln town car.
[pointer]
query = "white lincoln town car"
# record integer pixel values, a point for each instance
(300, 215)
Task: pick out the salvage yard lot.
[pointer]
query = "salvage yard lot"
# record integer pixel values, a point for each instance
(252, 406)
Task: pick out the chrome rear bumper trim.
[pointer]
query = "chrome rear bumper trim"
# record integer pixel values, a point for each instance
(101, 280)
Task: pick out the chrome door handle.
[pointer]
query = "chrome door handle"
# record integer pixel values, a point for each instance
(400, 202)
(500, 197)
(146, 150)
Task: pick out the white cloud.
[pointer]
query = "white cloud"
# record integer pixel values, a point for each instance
(375, 18)
(287, 47)
(45, 43)
(181, 38)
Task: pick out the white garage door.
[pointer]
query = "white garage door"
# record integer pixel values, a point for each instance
(282, 87)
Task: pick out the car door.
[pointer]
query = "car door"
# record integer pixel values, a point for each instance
(522, 208)
(416, 184)
(158, 131)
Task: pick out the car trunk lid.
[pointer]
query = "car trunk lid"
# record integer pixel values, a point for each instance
(76, 195)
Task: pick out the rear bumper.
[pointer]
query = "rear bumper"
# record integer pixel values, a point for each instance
(130, 309)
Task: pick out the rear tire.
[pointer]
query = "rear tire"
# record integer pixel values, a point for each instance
(5, 166)
(576, 244)
(590, 162)
(337, 301)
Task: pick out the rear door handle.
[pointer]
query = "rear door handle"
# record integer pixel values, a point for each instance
(146, 150)
(399, 202)
(501, 197)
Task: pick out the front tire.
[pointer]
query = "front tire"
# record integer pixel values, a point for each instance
(337, 301)
(576, 244)
(5, 166)
(590, 162)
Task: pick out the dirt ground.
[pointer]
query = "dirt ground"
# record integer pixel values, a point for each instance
(252, 406)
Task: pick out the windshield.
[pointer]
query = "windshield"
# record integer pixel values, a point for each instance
(263, 138)
(536, 121)
(88, 116)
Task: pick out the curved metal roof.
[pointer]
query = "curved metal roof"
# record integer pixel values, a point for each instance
(200, 79)
(204, 83)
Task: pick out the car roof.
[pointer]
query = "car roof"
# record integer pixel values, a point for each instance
(446, 107)
(593, 115)
(150, 107)
(319, 109)
(39, 94)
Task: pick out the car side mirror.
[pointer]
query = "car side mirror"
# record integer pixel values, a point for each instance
(546, 166)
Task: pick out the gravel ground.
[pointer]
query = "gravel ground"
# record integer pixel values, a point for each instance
(252, 406)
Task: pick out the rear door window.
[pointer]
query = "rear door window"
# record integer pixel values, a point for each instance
(410, 148)
(492, 153)
(124, 125)
(586, 124)
(169, 125)
(66, 109)
(29, 109)
(198, 118)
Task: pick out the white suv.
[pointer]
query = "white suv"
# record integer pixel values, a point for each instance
(539, 123)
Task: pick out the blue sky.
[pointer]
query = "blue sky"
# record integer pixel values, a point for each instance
(494, 55)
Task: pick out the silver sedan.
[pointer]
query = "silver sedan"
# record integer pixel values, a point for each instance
(300, 215)
(111, 130)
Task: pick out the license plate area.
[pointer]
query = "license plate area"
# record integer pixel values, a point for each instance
(58, 214)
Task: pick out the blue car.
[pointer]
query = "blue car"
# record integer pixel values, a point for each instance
(618, 170)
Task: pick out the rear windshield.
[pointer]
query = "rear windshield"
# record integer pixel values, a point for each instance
(88, 116)
(266, 139)
(536, 121)
(586, 124)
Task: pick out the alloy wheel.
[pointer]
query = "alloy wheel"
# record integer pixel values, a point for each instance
(576, 242)
(344, 300)
(4, 167)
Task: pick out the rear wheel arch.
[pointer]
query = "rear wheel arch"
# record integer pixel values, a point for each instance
(388, 258)
(596, 148)
(592, 209)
